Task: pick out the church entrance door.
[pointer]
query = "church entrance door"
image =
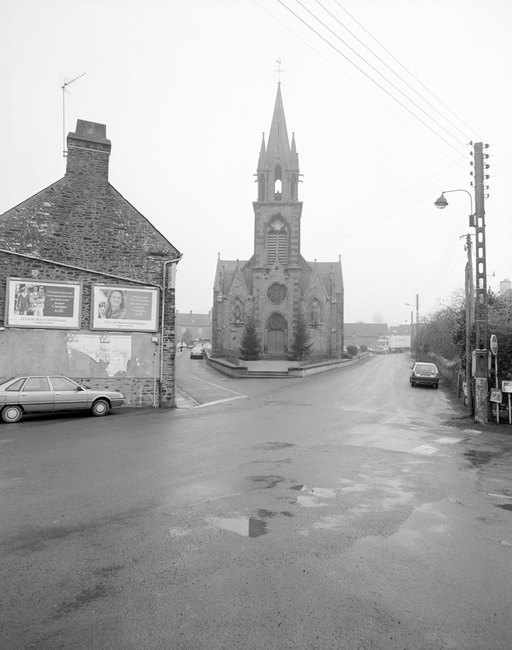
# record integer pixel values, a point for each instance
(275, 342)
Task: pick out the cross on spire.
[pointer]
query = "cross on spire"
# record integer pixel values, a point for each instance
(279, 71)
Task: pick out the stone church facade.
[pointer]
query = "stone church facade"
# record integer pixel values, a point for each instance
(277, 283)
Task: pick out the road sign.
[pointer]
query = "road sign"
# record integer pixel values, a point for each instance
(494, 344)
(496, 395)
(506, 386)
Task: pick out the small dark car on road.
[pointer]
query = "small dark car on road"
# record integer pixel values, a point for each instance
(52, 393)
(424, 373)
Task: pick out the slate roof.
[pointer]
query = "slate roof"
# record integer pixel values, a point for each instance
(323, 268)
(192, 320)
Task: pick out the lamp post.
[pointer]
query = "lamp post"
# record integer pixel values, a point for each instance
(408, 304)
(477, 220)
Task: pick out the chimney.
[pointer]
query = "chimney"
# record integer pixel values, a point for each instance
(88, 152)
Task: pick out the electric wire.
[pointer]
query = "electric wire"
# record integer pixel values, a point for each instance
(367, 219)
(371, 79)
(408, 71)
(374, 97)
(383, 76)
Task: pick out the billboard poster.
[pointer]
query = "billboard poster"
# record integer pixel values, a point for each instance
(46, 304)
(124, 308)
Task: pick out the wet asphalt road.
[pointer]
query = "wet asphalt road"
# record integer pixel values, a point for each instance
(345, 510)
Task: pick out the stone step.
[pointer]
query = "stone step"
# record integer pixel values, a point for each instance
(265, 374)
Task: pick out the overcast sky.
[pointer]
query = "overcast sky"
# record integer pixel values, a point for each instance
(186, 88)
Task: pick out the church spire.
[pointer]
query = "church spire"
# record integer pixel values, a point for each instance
(278, 164)
(278, 143)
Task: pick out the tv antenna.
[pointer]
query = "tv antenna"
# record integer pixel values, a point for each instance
(66, 83)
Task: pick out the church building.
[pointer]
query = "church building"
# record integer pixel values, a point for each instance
(277, 283)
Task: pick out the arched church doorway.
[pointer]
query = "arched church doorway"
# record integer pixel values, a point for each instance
(276, 329)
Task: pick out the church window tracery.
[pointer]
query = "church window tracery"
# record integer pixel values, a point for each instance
(276, 293)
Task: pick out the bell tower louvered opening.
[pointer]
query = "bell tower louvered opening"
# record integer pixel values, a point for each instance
(277, 242)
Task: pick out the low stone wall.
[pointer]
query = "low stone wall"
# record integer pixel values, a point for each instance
(137, 391)
(326, 366)
(226, 367)
(232, 370)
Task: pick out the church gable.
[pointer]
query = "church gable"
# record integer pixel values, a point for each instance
(316, 299)
(237, 296)
(277, 273)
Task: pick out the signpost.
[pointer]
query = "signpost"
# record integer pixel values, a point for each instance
(494, 350)
(506, 387)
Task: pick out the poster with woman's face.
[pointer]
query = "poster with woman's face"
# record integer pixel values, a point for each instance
(116, 307)
(46, 304)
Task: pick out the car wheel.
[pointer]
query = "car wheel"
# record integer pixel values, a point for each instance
(12, 414)
(100, 407)
(436, 385)
(413, 384)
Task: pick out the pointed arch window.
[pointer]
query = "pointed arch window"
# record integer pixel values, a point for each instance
(277, 242)
(278, 183)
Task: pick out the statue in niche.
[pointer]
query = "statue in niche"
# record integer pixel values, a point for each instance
(315, 312)
(237, 314)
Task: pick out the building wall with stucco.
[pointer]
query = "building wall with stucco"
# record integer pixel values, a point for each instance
(82, 230)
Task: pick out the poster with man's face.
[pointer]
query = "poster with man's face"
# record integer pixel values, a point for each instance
(46, 304)
(127, 308)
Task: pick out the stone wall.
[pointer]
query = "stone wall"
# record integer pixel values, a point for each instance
(45, 351)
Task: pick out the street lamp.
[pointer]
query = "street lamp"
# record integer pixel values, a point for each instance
(477, 220)
(441, 203)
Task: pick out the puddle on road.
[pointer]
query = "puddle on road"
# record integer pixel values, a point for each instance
(245, 526)
(478, 458)
(311, 499)
(272, 446)
(270, 481)
(310, 502)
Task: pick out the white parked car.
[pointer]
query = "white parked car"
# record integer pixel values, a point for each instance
(50, 394)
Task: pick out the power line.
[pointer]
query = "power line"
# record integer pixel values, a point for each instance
(408, 71)
(380, 73)
(375, 98)
(370, 78)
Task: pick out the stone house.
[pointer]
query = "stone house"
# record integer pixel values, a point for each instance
(277, 284)
(199, 326)
(65, 253)
(365, 333)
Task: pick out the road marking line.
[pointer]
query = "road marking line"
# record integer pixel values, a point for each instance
(501, 496)
(221, 387)
(220, 401)
(446, 440)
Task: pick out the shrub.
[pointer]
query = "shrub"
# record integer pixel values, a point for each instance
(301, 346)
(352, 349)
(250, 346)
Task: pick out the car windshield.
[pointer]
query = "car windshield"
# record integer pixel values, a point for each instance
(425, 367)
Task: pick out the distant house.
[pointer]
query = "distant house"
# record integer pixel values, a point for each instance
(199, 326)
(364, 333)
(400, 330)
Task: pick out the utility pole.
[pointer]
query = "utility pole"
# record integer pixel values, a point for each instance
(481, 351)
(469, 321)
